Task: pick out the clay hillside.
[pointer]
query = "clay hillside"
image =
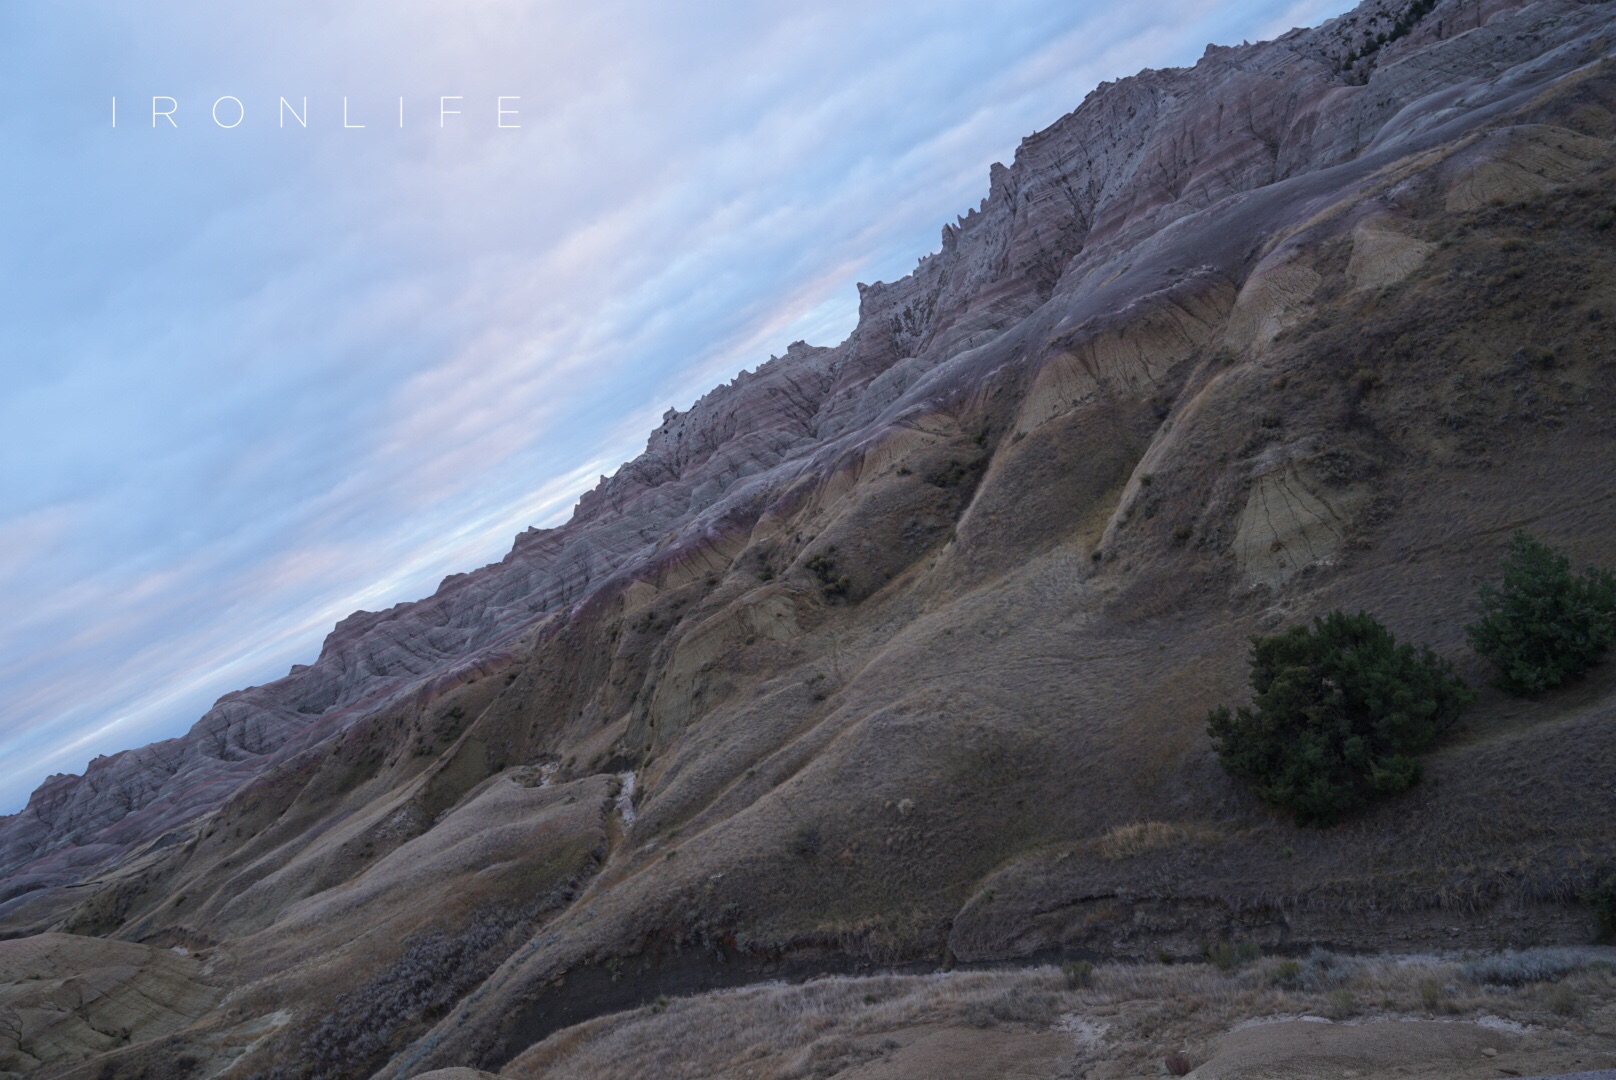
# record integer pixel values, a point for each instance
(892, 661)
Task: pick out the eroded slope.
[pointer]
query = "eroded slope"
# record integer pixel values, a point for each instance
(900, 652)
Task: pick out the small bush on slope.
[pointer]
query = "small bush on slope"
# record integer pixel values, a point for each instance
(1340, 711)
(1545, 625)
(1602, 898)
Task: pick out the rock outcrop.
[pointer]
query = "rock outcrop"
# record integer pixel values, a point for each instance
(64, 999)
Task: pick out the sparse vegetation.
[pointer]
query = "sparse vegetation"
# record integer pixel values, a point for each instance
(1405, 23)
(955, 474)
(449, 726)
(1340, 714)
(1544, 625)
(823, 566)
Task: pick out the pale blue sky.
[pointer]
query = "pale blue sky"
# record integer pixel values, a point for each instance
(254, 379)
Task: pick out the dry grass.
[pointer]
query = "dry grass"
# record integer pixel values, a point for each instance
(1132, 1016)
(1128, 841)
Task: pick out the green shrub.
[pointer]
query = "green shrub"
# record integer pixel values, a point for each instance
(1545, 625)
(1226, 956)
(1339, 714)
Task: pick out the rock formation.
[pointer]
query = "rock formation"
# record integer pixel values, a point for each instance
(867, 655)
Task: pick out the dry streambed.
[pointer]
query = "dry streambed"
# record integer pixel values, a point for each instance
(1514, 1014)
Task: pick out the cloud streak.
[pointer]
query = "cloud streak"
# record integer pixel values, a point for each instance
(251, 380)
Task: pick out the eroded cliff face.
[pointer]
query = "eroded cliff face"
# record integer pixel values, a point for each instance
(868, 654)
(1080, 196)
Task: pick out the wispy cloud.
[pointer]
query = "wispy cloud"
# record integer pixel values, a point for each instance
(253, 379)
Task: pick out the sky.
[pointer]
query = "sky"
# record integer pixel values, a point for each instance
(256, 375)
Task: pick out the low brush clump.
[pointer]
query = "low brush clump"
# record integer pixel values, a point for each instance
(1523, 968)
(834, 585)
